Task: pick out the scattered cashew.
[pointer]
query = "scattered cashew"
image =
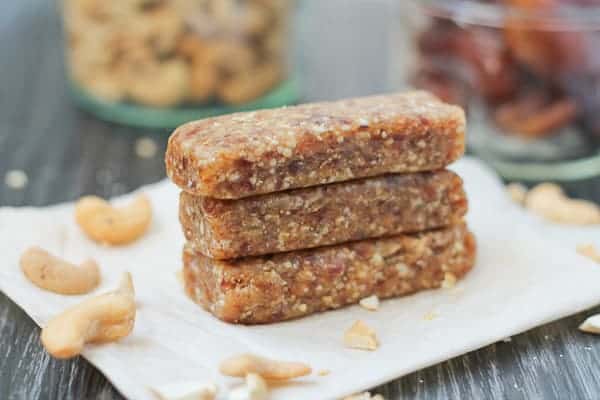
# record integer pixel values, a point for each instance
(186, 391)
(114, 226)
(591, 324)
(254, 389)
(244, 364)
(549, 201)
(56, 275)
(104, 318)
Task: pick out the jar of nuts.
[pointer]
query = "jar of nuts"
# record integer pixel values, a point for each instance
(527, 73)
(160, 63)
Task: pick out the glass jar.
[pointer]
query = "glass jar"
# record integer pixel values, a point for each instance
(527, 73)
(161, 63)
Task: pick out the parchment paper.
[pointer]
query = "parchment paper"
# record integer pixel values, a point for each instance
(527, 273)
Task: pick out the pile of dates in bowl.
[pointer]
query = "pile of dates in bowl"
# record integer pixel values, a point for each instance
(528, 74)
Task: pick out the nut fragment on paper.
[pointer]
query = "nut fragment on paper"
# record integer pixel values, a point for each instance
(189, 390)
(550, 202)
(370, 303)
(589, 251)
(591, 324)
(449, 280)
(517, 192)
(361, 336)
(254, 389)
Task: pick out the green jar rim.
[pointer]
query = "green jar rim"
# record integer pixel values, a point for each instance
(286, 93)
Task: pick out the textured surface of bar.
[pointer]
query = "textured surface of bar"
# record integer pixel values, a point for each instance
(244, 154)
(322, 215)
(289, 285)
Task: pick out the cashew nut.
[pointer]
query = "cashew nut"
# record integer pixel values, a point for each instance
(56, 275)
(114, 226)
(159, 84)
(186, 391)
(550, 202)
(361, 336)
(244, 364)
(254, 389)
(250, 83)
(104, 318)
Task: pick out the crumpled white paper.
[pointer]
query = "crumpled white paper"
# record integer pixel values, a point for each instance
(527, 273)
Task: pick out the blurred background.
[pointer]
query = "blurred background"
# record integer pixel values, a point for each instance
(90, 110)
(91, 89)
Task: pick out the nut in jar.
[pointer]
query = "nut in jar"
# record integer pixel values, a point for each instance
(165, 53)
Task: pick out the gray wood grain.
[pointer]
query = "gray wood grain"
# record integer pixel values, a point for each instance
(344, 50)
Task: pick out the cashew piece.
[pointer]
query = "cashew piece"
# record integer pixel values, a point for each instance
(550, 202)
(241, 365)
(104, 318)
(56, 275)
(114, 226)
(250, 84)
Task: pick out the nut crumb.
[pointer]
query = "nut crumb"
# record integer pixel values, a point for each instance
(517, 192)
(254, 389)
(370, 303)
(323, 372)
(589, 251)
(449, 280)
(430, 316)
(186, 390)
(16, 179)
(145, 147)
(550, 202)
(591, 324)
(179, 276)
(361, 336)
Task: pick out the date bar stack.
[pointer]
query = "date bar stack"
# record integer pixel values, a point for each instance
(297, 210)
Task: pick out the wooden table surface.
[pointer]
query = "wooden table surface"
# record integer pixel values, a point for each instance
(66, 153)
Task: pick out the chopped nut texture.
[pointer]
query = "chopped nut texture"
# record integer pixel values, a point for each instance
(371, 303)
(361, 336)
(289, 285)
(323, 372)
(254, 389)
(244, 154)
(449, 280)
(322, 215)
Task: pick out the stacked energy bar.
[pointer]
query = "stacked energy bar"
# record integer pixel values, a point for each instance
(297, 210)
